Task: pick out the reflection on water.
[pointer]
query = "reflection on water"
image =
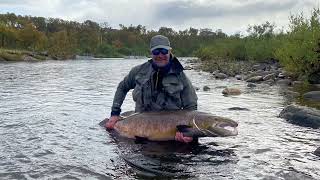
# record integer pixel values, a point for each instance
(49, 129)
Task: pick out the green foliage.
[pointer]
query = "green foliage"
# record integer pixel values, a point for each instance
(300, 50)
(106, 50)
(61, 45)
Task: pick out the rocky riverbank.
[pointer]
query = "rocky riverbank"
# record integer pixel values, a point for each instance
(20, 55)
(304, 109)
(270, 73)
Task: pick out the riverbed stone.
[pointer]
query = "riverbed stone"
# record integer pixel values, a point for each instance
(317, 152)
(238, 77)
(28, 58)
(255, 79)
(284, 82)
(231, 91)
(260, 66)
(206, 88)
(314, 78)
(269, 76)
(251, 85)
(312, 96)
(221, 76)
(281, 75)
(187, 68)
(301, 115)
(316, 86)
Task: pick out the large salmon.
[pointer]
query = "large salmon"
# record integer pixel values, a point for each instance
(163, 125)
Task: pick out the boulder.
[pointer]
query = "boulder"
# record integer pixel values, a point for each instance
(238, 77)
(255, 79)
(261, 66)
(206, 88)
(297, 83)
(29, 58)
(312, 96)
(270, 82)
(251, 85)
(231, 91)
(300, 115)
(316, 86)
(188, 68)
(284, 82)
(281, 75)
(269, 76)
(221, 76)
(314, 78)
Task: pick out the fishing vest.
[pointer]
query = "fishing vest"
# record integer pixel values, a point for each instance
(149, 98)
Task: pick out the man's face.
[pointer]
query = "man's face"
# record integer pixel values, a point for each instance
(160, 56)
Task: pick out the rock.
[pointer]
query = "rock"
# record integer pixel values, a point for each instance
(281, 75)
(196, 88)
(314, 78)
(238, 77)
(215, 72)
(297, 83)
(270, 82)
(221, 87)
(316, 86)
(255, 79)
(317, 152)
(312, 96)
(44, 53)
(257, 67)
(291, 94)
(29, 58)
(284, 82)
(251, 85)
(231, 91)
(187, 68)
(300, 115)
(238, 109)
(206, 88)
(269, 76)
(221, 76)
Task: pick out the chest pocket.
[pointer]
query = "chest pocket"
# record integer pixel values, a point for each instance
(172, 86)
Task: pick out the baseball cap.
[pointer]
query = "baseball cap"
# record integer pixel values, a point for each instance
(159, 41)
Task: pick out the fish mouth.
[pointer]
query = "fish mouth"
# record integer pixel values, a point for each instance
(224, 129)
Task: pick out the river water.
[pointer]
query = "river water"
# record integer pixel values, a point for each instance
(49, 115)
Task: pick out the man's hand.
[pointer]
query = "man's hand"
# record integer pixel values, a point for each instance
(112, 121)
(179, 137)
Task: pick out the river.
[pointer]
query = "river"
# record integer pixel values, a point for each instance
(49, 115)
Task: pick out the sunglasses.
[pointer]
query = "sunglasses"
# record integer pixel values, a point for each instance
(163, 51)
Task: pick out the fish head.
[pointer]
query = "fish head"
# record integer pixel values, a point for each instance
(214, 126)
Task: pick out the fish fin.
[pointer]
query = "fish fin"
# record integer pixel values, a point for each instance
(189, 131)
(183, 128)
(139, 139)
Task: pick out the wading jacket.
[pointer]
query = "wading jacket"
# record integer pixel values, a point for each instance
(154, 91)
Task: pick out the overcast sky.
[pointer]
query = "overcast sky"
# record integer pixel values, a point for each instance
(231, 16)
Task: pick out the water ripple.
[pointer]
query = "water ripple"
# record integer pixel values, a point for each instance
(49, 129)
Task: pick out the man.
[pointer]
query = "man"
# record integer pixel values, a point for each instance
(159, 84)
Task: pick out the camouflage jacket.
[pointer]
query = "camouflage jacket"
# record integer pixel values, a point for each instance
(175, 93)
